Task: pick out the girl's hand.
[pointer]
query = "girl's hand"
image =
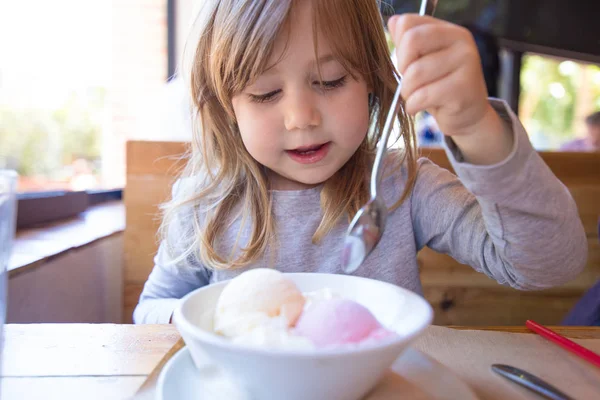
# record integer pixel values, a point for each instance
(442, 74)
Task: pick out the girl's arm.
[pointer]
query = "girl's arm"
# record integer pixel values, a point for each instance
(167, 284)
(173, 275)
(514, 220)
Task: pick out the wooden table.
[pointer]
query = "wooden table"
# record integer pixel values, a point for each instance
(106, 361)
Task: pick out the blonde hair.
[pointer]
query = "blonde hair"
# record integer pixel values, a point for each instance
(235, 42)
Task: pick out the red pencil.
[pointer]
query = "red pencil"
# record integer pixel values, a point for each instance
(565, 343)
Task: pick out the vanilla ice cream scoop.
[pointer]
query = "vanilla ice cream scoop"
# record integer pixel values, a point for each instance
(257, 298)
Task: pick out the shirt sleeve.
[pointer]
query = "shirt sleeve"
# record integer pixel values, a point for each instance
(174, 275)
(513, 221)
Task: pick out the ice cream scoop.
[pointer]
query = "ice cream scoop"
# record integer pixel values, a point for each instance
(337, 322)
(257, 298)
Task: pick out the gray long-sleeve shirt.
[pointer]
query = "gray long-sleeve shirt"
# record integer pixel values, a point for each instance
(513, 221)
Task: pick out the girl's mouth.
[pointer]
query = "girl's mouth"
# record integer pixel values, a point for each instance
(309, 154)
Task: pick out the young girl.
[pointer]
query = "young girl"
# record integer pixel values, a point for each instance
(292, 96)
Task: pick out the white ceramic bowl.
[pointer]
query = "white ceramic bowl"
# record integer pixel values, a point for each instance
(294, 374)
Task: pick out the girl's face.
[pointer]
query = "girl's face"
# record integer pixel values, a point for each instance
(302, 129)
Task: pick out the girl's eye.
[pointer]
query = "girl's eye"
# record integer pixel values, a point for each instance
(328, 85)
(264, 98)
(325, 85)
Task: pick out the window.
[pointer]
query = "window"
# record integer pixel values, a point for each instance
(556, 96)
(76, 78)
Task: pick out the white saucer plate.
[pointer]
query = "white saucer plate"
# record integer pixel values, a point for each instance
(413, 375)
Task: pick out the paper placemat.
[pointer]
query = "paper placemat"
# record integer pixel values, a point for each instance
(470, 354)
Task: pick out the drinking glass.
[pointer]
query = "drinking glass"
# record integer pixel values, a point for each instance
(8, 216)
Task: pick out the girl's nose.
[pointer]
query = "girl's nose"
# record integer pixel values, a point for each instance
(301, 111)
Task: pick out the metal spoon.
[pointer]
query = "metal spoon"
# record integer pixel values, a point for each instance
(367, 226)
(530, 381)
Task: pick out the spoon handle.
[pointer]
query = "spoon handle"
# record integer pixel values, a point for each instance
(427, 8)
(387, 129)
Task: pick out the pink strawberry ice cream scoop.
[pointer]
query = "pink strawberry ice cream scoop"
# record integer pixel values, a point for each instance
(339, 321)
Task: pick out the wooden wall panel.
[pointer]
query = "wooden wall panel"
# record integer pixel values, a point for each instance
(477, 306)
(152, 167)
